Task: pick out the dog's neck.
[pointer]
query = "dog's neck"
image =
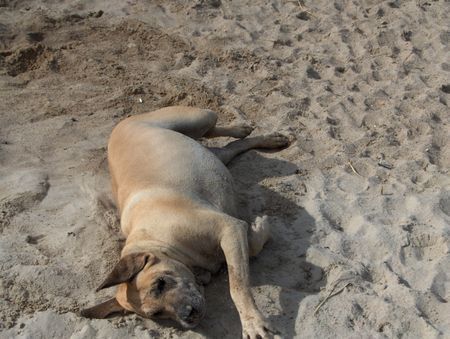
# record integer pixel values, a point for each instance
(159, 249)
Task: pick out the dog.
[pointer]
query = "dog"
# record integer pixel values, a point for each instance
(179, 214)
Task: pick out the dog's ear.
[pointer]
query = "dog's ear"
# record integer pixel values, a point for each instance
(104, 309)
(127, 268)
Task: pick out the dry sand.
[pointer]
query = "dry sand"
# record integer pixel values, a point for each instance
(359, 203)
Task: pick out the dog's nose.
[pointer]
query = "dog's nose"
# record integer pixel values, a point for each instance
(191, 314)
(188, 310)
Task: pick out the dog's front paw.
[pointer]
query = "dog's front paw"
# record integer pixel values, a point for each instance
(261, 226)
(257, 328)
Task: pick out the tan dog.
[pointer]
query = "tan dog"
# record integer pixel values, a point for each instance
(178, 211)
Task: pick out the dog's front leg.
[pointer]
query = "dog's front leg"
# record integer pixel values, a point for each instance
(235, 247)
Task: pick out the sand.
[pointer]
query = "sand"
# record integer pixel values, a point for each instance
(359, 203)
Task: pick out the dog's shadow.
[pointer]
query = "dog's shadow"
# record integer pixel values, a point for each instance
(280, 273)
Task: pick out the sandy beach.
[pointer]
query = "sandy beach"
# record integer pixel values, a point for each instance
(359, 203)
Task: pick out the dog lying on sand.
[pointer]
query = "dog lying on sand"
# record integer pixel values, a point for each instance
(178, 211)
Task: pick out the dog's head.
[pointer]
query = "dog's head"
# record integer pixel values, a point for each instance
(153, 288)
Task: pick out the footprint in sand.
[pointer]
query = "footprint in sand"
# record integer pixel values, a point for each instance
(444, 203)
(19, 191)
(423, 245)
(351, 183)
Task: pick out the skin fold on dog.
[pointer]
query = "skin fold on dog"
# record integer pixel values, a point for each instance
(178, 212)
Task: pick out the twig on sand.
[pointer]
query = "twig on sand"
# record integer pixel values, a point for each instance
(302, 6)
(353, 169)
(385, 164)
(404, 60)
(330, 295)
(383, 192)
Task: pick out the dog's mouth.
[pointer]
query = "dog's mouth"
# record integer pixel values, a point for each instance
(190, 316)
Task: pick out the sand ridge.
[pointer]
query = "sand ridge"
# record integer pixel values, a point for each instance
(359, 203)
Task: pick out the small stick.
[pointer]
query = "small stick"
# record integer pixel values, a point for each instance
(370, 142)
(330, 295)
(403, 63)
(383, 193)
(303, 7)
(353, 169)
(385, 164)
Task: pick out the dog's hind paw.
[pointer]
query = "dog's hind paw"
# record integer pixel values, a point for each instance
(241, 131)
(275, 140)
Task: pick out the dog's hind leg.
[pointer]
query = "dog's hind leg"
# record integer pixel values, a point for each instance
(230, 151)
(193, 122)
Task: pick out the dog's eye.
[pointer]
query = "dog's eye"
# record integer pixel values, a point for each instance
(157, 314)
(160, 285)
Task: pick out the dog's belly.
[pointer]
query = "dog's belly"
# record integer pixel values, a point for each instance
(143, 157)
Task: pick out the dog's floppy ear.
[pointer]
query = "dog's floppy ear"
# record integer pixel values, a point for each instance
(104, 309)
(127, 268)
